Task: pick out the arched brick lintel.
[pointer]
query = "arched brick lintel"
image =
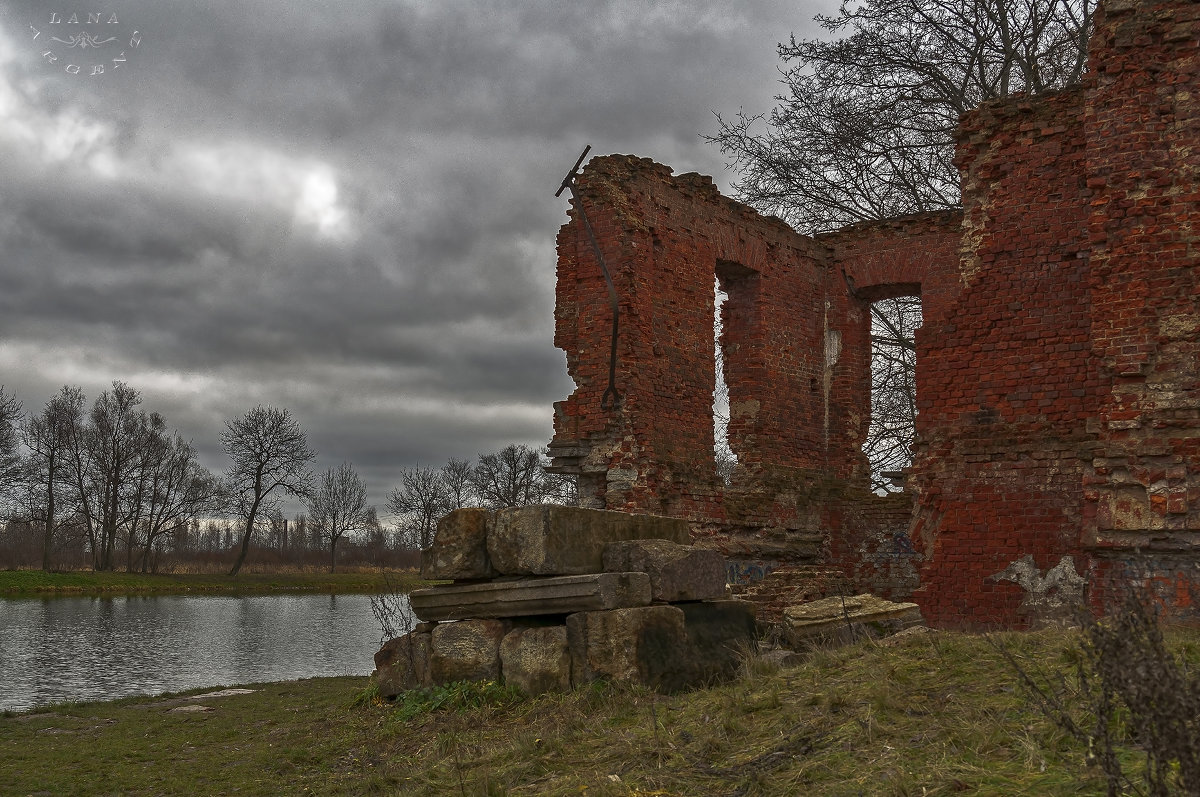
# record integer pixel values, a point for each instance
(733, 244)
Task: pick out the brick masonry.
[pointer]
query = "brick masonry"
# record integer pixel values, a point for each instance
(1058, 370)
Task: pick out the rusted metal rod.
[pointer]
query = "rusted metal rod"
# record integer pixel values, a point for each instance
(611, 396)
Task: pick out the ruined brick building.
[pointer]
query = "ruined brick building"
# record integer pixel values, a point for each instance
(1058, 368)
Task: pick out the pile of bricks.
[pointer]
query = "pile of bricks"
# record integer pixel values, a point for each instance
(547, 598)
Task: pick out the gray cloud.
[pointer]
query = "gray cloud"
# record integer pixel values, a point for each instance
(342, 208)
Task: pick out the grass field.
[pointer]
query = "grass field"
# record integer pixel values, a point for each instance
(936, 714)
(33, 583)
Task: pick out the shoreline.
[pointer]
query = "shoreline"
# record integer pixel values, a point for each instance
(24, 584)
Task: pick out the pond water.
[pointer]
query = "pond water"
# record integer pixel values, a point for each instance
(56, 649)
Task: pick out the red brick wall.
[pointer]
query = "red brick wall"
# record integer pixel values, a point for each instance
(1142, 122)
(1058, 401)
(796, 344)
(1004, 378)
(666, 240)
(868, 540)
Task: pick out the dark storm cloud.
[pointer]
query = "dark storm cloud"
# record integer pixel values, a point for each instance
(342, 208)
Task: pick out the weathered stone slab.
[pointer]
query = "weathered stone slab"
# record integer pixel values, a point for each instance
(466, 651)
(677, 572)
(403, 663)
(554, 540)
(459, 549)
(720, 634)
(532, 596)
(646, 646)
(536, 660)
(845, 618)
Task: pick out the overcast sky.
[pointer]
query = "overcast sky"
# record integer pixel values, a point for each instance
(342, 208)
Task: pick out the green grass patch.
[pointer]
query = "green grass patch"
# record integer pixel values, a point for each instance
(34, 583)
(936, 714)
(459, 696)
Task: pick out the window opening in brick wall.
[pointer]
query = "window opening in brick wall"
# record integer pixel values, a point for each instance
(722, 453)
(888, 447)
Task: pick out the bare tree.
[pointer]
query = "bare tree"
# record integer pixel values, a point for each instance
(270, 456)
(420, 501)
(339, 506)
(457, 477)
(893, 390)
(107, 460)
(179, 491)
(865, 128)
(513, 476)
(10, 455)
(47, 437)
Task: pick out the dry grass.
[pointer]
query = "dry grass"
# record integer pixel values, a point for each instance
(938, 714)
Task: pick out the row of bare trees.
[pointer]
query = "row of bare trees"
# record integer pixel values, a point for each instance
(514, 476)
(113, 478)
(114, 471)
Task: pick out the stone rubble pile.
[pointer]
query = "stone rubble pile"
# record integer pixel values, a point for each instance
(842, 619)
(547, 598)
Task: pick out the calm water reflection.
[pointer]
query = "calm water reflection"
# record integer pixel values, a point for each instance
(55, 649)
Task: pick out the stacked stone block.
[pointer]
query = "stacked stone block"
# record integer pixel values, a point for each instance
(546, 598)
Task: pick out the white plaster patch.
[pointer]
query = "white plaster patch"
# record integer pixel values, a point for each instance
(1048, 597)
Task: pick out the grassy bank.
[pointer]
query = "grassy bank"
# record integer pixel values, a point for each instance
(35, 583)
(936, 714)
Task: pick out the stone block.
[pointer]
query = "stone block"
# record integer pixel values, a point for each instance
(677, 572)
(844, 619)
(536, 660)
(466, 651)
(403, 663)
(551, 540)
(720, 633)
(528, 597)
(646, 646)
(459, 549)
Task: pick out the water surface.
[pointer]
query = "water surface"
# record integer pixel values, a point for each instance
(94, 648)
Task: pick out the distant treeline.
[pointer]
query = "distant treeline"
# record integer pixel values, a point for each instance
(109, 487)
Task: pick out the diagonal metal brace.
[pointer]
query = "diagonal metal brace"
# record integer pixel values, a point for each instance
(611, 396)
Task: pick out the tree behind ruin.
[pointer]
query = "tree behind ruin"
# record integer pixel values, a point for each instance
(865, 128)
(865, 131)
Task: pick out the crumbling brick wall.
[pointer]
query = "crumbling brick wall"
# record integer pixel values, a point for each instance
(1058, 370)
(1005, 381)
(666, 241)
(796, 352)
(1141, 487)
(1058, 403)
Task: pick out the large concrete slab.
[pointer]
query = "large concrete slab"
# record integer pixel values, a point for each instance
(551, 540)
(459, 549)
(403, 663)
(646, 646)
(677, 572)
(466, 651)
(532, 596)
(536, 660)
(720, 635)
